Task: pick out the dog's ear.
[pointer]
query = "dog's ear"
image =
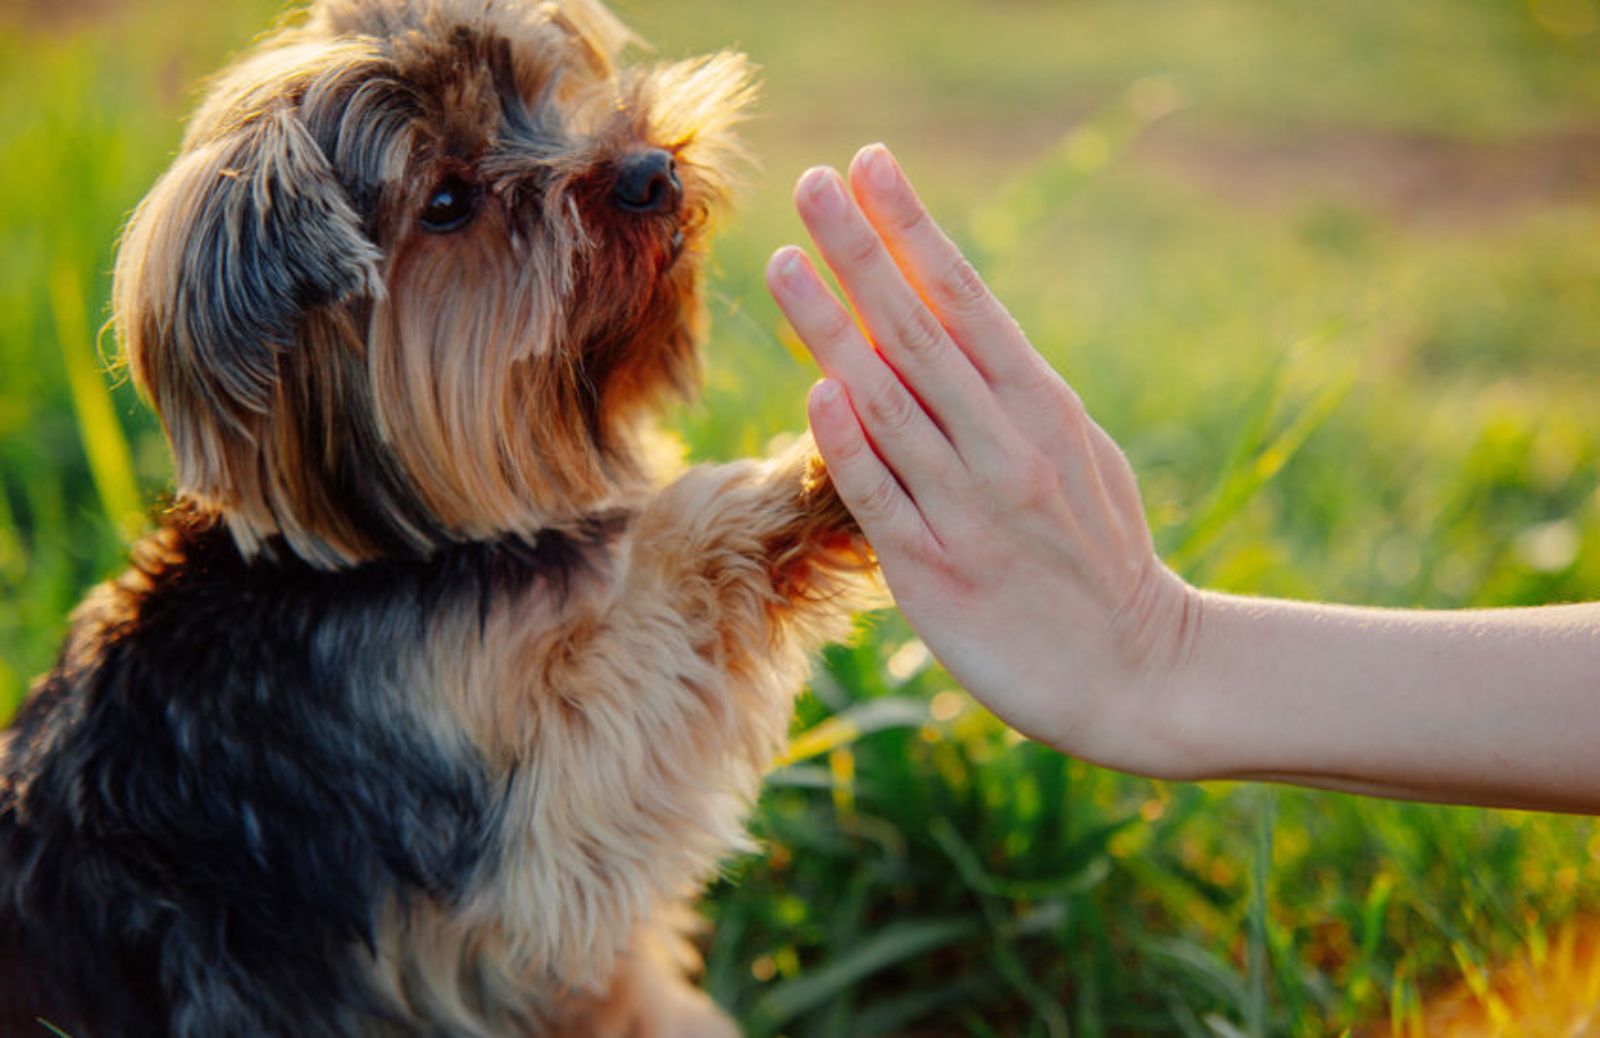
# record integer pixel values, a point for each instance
(217, 267)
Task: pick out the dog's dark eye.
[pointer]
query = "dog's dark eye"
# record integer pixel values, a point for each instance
(451, 207)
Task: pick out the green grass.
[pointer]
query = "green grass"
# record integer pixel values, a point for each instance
(1326, 394)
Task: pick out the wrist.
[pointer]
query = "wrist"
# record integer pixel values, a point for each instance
(1189, 717)
(1149, 722)
(1183, 708)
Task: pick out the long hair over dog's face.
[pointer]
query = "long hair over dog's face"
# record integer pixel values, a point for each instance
(422, 268)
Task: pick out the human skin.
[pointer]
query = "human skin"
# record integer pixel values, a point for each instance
(1011, 532)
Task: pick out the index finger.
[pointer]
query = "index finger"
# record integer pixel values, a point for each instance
(941, 275)
(904, 331)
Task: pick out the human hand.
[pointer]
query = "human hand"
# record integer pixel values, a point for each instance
(1008, 524)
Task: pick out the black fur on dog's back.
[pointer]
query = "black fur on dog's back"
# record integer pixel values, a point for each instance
(206, 804)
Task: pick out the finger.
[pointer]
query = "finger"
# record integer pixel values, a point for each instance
(910, 337)
(978, 323)
(1122, 487)
(887, 514)
(1080, 462)
(1035, 400)
(903, 434)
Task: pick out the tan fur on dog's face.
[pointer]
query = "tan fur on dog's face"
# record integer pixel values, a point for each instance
(330, 370)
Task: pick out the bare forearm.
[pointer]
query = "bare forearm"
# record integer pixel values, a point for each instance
(1497, 707)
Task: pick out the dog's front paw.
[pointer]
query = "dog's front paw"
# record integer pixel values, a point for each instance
(820, 501)
(823, 543)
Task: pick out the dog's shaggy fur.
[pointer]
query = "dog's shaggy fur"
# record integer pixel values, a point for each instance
(435, 695)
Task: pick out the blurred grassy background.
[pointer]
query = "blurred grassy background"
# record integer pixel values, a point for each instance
(1330, 272)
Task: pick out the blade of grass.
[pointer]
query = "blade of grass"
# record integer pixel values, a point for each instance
(844, 728)
(13, 561)
(1198, 963)
(1089, 149)
(110, 461)
(1255, 460)
(1046, 1009)
(846, 929)
(1258, 956)
(1090, 873)
(892, 1014)
(1364, 970)
(1222, 1028)
(10, 690)
(893, 944)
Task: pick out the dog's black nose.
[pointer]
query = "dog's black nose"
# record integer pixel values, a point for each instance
(647, 182)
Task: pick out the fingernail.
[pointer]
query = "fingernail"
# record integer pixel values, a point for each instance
(825, 392)
(792, 272)
(826, 194)
(881, 167)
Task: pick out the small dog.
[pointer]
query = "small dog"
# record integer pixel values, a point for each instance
(436, 695)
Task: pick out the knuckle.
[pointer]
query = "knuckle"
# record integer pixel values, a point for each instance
(924, 553)
(1070, 406)
(918, 331)
(878, 500)
(844, 451)
(1060, 402)
(960, 581)
(860, 249)
(848, 451)
(961, 288)
(1035, 472)
(834, 326)
(952, 568)
(890, 407)
(909, 218)
(1030, 481)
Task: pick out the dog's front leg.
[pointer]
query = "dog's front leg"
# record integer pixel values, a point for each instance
(657, 713)
(758, 564)
(762, 551)
(651, 997)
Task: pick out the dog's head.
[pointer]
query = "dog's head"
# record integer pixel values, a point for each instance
(422, 268)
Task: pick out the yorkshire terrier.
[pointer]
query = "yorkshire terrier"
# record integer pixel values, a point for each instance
(438, 691)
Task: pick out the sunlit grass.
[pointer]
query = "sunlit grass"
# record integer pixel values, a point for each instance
(1324, 398)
